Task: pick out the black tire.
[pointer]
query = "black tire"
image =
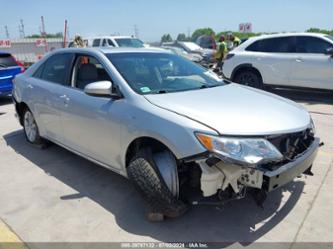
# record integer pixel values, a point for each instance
(36, 139)
(249, 78)
(149, 182)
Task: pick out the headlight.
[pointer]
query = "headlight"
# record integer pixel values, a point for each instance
(241, 150)
(312, 127)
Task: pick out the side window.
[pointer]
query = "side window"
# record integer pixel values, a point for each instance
(88, 70)
(255, 47)
(314, 45)
(38, 72)
(104, 43)
(274, 45)
(110, 42)
(56, 69)
(96, 42)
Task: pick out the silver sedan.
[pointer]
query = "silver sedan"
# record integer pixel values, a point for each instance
(181, 134)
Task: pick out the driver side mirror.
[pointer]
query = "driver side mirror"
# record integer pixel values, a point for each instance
(101, 89)
(329, 51)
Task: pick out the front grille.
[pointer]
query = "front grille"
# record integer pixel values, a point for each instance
(291, 145)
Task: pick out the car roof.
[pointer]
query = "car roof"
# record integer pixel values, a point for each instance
(4, 53)
(111, 36)
(253, 39)
(112, 50)
(287, 34)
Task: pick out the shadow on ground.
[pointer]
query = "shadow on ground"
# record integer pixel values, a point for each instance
(5, 100)
(236, 222)
(308, 96)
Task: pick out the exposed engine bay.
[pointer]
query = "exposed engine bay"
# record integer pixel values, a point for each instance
(212, 180)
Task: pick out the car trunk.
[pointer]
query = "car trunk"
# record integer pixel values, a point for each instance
(8, 70)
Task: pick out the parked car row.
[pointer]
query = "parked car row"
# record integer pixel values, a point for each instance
(112, 41)
(208, 55)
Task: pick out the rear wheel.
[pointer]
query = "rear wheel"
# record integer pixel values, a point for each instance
(31, 129)
(249, 78)
(147, 178)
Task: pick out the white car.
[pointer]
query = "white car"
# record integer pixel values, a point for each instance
(113, 41)
(302, 60)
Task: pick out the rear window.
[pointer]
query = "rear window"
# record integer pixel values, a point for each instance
(56, 69)
(96, 42)
(129, 42)
(312, 45)
(6, 60)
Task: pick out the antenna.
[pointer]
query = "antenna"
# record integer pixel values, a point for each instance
(7, 32)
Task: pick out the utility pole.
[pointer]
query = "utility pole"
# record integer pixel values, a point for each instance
(65, 34)
(136, 31)
(189, 32)
(21, 29)
(7, 32)
(43, 32)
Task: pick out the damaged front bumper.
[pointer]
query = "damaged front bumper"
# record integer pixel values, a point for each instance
(221, 175)
(286, 173)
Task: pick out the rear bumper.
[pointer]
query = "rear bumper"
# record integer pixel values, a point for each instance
(6, 87)
(289, 171)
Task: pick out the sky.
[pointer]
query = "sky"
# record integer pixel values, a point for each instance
(153, 18)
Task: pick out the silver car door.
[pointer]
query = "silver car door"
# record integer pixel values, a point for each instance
(90, 123)
(312, 67)
(49, 84)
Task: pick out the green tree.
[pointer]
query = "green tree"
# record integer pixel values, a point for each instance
(181, 37)
(200, 32)
(323, 31)
(238, 34)
(166, 38)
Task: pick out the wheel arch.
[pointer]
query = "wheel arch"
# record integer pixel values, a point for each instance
(20, 107)
(245, 66)
(142, 142)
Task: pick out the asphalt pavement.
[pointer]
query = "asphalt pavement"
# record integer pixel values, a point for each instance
(53, 195)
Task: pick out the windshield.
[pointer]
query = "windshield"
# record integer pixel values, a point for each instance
(329, 37)
(192, 46)
(151, 73)
(129, 42)
(176, 50)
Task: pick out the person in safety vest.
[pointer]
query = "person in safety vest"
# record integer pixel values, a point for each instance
(78, 42)
(232, 41)
(222, 50)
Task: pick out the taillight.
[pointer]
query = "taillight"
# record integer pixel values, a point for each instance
(20, 64)
(229, 56)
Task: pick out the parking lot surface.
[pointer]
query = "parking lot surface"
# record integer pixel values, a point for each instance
(53, 195)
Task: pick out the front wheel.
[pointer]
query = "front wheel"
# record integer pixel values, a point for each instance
(249, 78)
(149, 181)
(31, 131)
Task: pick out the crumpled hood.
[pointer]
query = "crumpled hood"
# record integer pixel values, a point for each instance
(236, 110)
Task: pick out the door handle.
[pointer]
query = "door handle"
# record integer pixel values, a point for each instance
(30, 86)
(299, 60)
(65, 98)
